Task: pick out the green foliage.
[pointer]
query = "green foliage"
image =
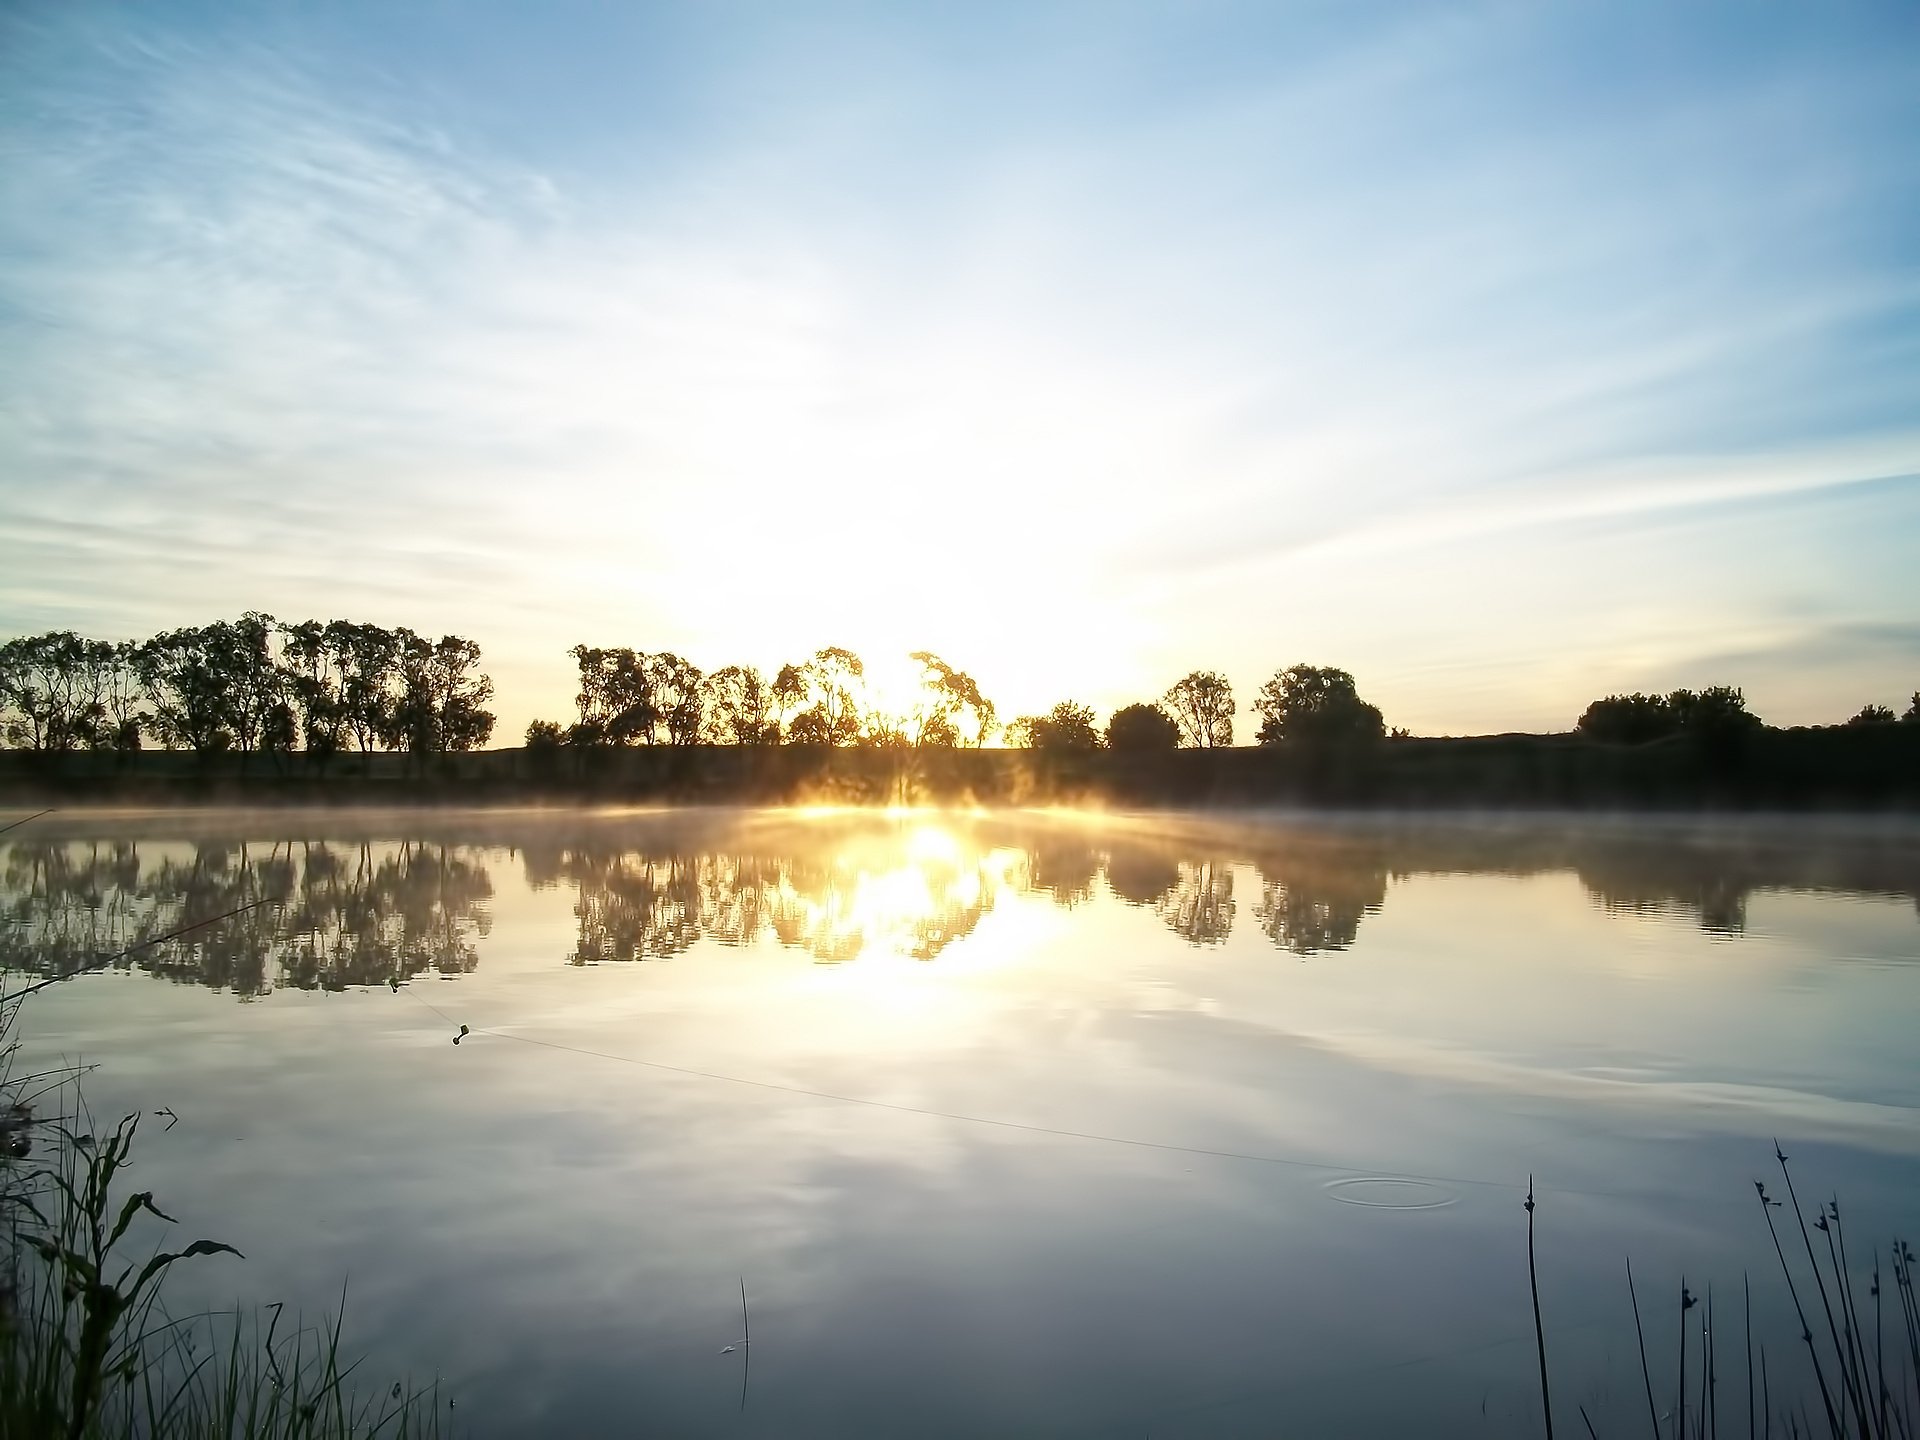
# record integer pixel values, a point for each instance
(1202, 704)
(88, 1350)
(1315, 703)
(1142, 729)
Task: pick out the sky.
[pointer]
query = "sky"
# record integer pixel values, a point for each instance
(1504, 355)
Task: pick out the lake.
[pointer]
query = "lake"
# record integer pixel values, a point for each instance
(1010, 1124)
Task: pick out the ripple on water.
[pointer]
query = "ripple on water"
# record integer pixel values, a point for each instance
(1390, 1192)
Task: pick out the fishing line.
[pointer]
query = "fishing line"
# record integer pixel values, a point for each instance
(102, 961)
(1031, 1128)
(23, 820)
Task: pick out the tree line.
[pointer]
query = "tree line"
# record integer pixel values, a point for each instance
(260, 686)
(633, 697)
(1718, 713)
(252, 686)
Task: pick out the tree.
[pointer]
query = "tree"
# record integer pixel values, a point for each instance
(834, 716)
(1715, 715)
(544, 736)
(1315, 703)
(1202, 705)
(1065, 727)
(954, 711)
(1913, 710)
(1142, 729)
(1873, 715)
(369, 658)
(789, 694)
(316, 658)
(256, 682)
(740, 706)
(1628, 719)
(43, 687)
(443, 695)
(188, 684)
(678, 699)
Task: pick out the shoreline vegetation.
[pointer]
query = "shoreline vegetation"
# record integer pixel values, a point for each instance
(258, 709)
(89, 1349)
(1847, 768)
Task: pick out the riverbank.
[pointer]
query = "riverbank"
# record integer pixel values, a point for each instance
(1840, 767)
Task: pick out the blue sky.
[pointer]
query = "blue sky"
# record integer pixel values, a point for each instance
(1504, 355)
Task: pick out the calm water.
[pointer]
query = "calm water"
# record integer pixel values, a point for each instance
(1013, 1125)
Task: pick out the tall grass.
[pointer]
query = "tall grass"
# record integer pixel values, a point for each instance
(88, 1348)
(1864, 1393)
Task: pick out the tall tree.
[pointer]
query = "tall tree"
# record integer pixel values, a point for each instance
(316, 657)
(369, 657)
(674, 685)
(443, 696)
(789, 695)
(952, 711)
(739, 706)
(186, 674)
(1315, 703)
(44, 689)
(831, 680)
(1202, 705)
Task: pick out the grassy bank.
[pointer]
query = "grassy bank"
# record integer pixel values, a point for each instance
(1839, 767)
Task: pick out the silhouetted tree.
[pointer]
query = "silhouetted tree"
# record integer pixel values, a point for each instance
(45, 693)
(443, 696)
(954, 712)
(187, 677)
(1716, 715)
(833, 717)
(1202, 704)
(789, 695)
(1913, 709)
(679, 700)
(615, 699)
(317, 658)
(1138, 729)
(1873, 715)
(1065, 727)
(1314, 703)
(1628, 719)
(369, 659)
(740, 707)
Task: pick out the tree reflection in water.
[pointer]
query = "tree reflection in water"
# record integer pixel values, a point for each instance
(362, 912)
(912, 895)
(1313, 901)
(335, 916)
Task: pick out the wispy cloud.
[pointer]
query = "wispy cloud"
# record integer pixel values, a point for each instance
(1130, 371)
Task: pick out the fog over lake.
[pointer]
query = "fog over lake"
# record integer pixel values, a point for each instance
(1016, 1123)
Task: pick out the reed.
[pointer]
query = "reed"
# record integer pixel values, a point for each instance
(88, 1347)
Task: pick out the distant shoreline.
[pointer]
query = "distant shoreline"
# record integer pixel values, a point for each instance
(1850, 768)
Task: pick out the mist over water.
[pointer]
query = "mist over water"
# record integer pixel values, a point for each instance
(1016, 1123)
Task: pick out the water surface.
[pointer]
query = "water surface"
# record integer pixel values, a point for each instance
(1016, 1124)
